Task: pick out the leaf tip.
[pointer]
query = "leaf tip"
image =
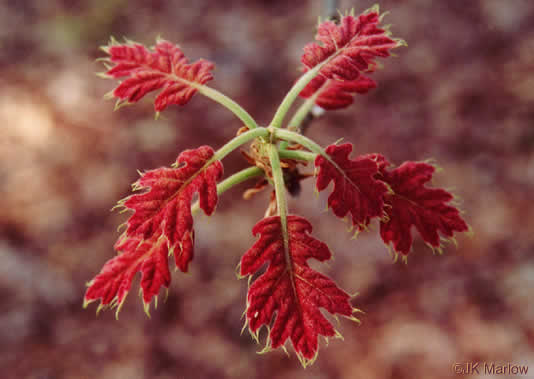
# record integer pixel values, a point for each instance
(104, 75)
(382, 16)
(86, 301)
(237, 272)
(146, 308)
(400, 42)
(100, 308)
(354, 319)
(245, 324)
(305, 362)
(469, 232)
(109, 95)
(118, 310)
(266, 349)
(112, 42)
(120, 103)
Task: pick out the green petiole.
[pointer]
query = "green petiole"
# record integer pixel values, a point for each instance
(229, 104)
(289, 99)
(297, 155)
(236, 142)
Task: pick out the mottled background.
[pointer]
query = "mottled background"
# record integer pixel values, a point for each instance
(461, 93)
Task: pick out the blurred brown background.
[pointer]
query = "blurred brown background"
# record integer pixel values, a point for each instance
(462, 93)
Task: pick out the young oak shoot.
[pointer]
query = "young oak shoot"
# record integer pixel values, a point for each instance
(287, 297)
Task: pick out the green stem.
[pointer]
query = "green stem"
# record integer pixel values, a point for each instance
(231, 181)
(231, 105)
(238, 141)
(298, 155)
(238, 177)
(279, 186)
(281, 202)
(301, 113)
(293, 93)
(300, 139)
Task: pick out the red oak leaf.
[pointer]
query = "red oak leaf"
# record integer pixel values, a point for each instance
(349, 47)
(347, 50)
(413, 204)
(290, 288)
(164, 68)
(356, 190)
(333, 94)
(161, 224)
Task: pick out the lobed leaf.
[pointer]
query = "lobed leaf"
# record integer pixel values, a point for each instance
(161, 224)
(356, 190)
(289, 290)
(164, 68)
(411, 203)
(345, 51)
